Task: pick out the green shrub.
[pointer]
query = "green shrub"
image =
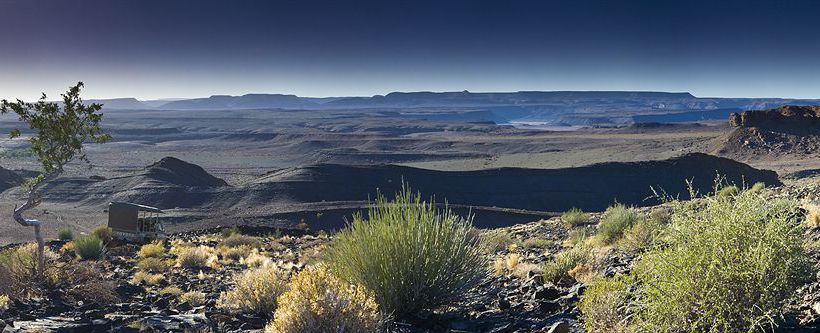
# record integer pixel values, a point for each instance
(757, 187)
(65, 234)
(604, 305)
(318, 301)
(89, 247)
(574, 217)
(412, 255)
(557, 269)
(728, 266)
(642, 235)
(103, 233)
(728, 191)
(615, 221)
(255, 291)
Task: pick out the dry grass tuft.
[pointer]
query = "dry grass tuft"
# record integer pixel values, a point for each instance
(255, 291)
(318, 301)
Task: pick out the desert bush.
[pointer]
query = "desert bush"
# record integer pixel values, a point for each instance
(104, 233)
(141, 277)
(578, 236)
(193, 257)
(228, 232)
(604, 305)
(757, 187)
(558, 268)
(318, 301)
(729, 266)
(728, 191)
(616, 219)
(255, 291)
(152, 250)
(237, 240)
(194, 298)
(65, 234)
(256, 259)
(574, 217)
(235, 253)
(494, 241)
(641, 236)
(152, 265)
(537, 243)
(412, 255)
(89, 247)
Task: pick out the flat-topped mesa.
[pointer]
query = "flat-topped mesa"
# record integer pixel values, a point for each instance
(791, 116)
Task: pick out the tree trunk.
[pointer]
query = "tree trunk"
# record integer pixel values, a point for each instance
(34, 200)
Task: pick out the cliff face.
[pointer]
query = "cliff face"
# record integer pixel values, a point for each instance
(787, 117)
(788, 130)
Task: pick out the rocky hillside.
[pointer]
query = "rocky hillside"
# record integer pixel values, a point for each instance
(788, 130)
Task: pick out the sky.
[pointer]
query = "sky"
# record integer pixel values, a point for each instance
(152, 49)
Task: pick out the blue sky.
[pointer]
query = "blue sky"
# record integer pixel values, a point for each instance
(193, 48)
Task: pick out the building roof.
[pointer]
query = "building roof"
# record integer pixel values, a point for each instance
(134, 206)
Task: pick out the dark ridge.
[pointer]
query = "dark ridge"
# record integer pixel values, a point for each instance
(175, 171)
(591, 188)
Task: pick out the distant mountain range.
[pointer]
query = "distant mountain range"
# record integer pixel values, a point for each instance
(558, 107)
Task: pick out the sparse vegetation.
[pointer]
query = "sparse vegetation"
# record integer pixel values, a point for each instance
(237, 240)
(757, 187)
(142, 277)
(193, 257)
(727, 191)
(728, 265)
(412, 255)
(4, 303)
(493, 241)
(152, 265)
(537, 243)
(318, 301)
(152, 250)
(574, 217)
(171, 290)
(615, 221)
(255, 291)
(193, 298)
(65, 234)
(642, 235)
(89, 247)
(103, 233)
(559, 267)
(604, 304)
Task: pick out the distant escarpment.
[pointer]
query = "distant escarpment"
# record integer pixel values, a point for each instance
(787, 130)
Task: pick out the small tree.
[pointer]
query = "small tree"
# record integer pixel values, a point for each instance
(60, 133)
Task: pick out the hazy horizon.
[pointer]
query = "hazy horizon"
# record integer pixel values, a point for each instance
(190, 49)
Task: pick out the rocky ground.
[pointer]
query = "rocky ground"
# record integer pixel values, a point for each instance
(517, 297)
